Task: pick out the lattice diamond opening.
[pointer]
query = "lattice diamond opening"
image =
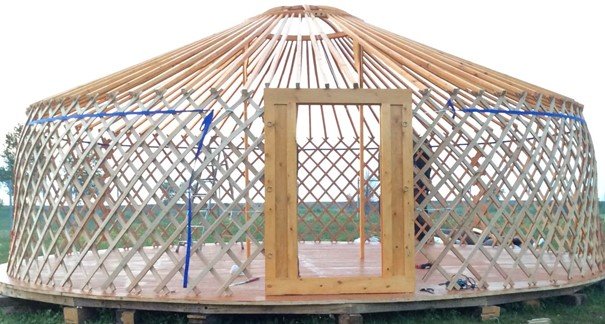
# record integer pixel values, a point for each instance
(329, 169)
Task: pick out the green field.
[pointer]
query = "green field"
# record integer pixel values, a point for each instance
(592, 312)
(5, 225)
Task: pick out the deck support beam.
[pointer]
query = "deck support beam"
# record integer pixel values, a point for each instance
(126, 316)
(350, 319)
(76, 315)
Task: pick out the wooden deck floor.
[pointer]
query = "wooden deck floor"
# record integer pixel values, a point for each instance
(315, 260)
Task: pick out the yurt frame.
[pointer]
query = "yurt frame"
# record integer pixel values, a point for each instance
(372, 132)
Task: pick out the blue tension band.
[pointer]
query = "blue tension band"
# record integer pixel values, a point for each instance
(450, 104)
(525, 113)
(205, 127)
(113, 114)
(188, 249)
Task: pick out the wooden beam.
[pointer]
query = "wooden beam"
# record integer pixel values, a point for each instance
(340, 285)
(280, 187)
(336, 96)
(397, 198)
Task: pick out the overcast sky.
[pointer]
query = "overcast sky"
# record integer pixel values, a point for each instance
(51, 46)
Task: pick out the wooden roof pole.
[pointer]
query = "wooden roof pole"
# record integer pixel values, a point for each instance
(246, 145)
(475, 68)
(258, 37)
(358, 63)
(320, 61)
(281, 46)
(171, 58)
(345, 68)
(298, 58)
(269, 50)
(219, 55)
(434, 74)
(426, 61)
(392, 64)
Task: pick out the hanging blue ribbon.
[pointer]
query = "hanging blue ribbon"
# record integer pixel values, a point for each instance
(450, 105)
(205, 127)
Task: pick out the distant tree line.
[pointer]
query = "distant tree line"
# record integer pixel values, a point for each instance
(8, 157)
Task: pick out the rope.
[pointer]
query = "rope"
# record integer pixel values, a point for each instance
(113, 114)
(205, 126)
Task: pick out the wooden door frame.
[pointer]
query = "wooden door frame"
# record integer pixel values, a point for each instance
(396, 199)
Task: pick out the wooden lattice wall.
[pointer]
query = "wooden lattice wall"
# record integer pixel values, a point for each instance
(114, 189)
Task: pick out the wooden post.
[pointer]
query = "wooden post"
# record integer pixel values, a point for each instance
(358, 58)
(489, 313)
(76, 315)
(281, 193)
(574, 299)
(125, 316)
(203, 319)
(397, 194)
(246, 144)
(362, 185)
(350, 319)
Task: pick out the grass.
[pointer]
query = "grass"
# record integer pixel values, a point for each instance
(591, 312)
(54, 315)
(5, 226)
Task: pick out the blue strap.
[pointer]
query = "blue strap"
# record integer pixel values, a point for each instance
(113, 114)
(450, 104)
(205, 127)
(188, 250)
(525, 113)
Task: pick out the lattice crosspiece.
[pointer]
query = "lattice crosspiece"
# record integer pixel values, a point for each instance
(100, 202)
